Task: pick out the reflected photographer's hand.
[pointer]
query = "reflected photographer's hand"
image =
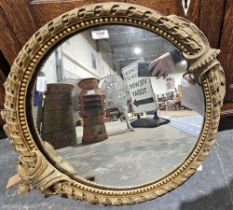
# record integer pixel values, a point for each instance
(162, 66)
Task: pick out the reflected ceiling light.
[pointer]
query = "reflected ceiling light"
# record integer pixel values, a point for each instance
(137, 50)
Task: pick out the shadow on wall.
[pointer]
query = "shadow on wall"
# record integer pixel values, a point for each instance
(225, 123)
(219, 199)
(2, 133)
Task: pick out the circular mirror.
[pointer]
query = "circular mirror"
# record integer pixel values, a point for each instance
(118, 105)
(113, 104)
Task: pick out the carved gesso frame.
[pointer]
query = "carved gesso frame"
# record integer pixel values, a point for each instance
(37, 171)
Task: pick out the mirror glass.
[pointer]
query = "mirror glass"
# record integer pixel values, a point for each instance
(115, 105)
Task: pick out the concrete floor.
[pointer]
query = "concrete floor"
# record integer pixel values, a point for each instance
(130, 158)
(209, 189)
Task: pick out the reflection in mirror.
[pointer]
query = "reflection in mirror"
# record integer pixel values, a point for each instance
(118, 106)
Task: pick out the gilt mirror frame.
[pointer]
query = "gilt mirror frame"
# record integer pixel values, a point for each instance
(37, 171)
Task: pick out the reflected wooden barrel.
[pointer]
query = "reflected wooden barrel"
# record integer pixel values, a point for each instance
(58, 126)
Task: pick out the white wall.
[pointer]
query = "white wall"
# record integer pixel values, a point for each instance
(77, 57)
(49, 69)
(72, 70)
(103, 67)
(76, 60)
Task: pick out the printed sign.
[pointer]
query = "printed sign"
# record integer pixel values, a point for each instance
(170, 83)
(100, 34)
(141, 92)
(41, 84)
